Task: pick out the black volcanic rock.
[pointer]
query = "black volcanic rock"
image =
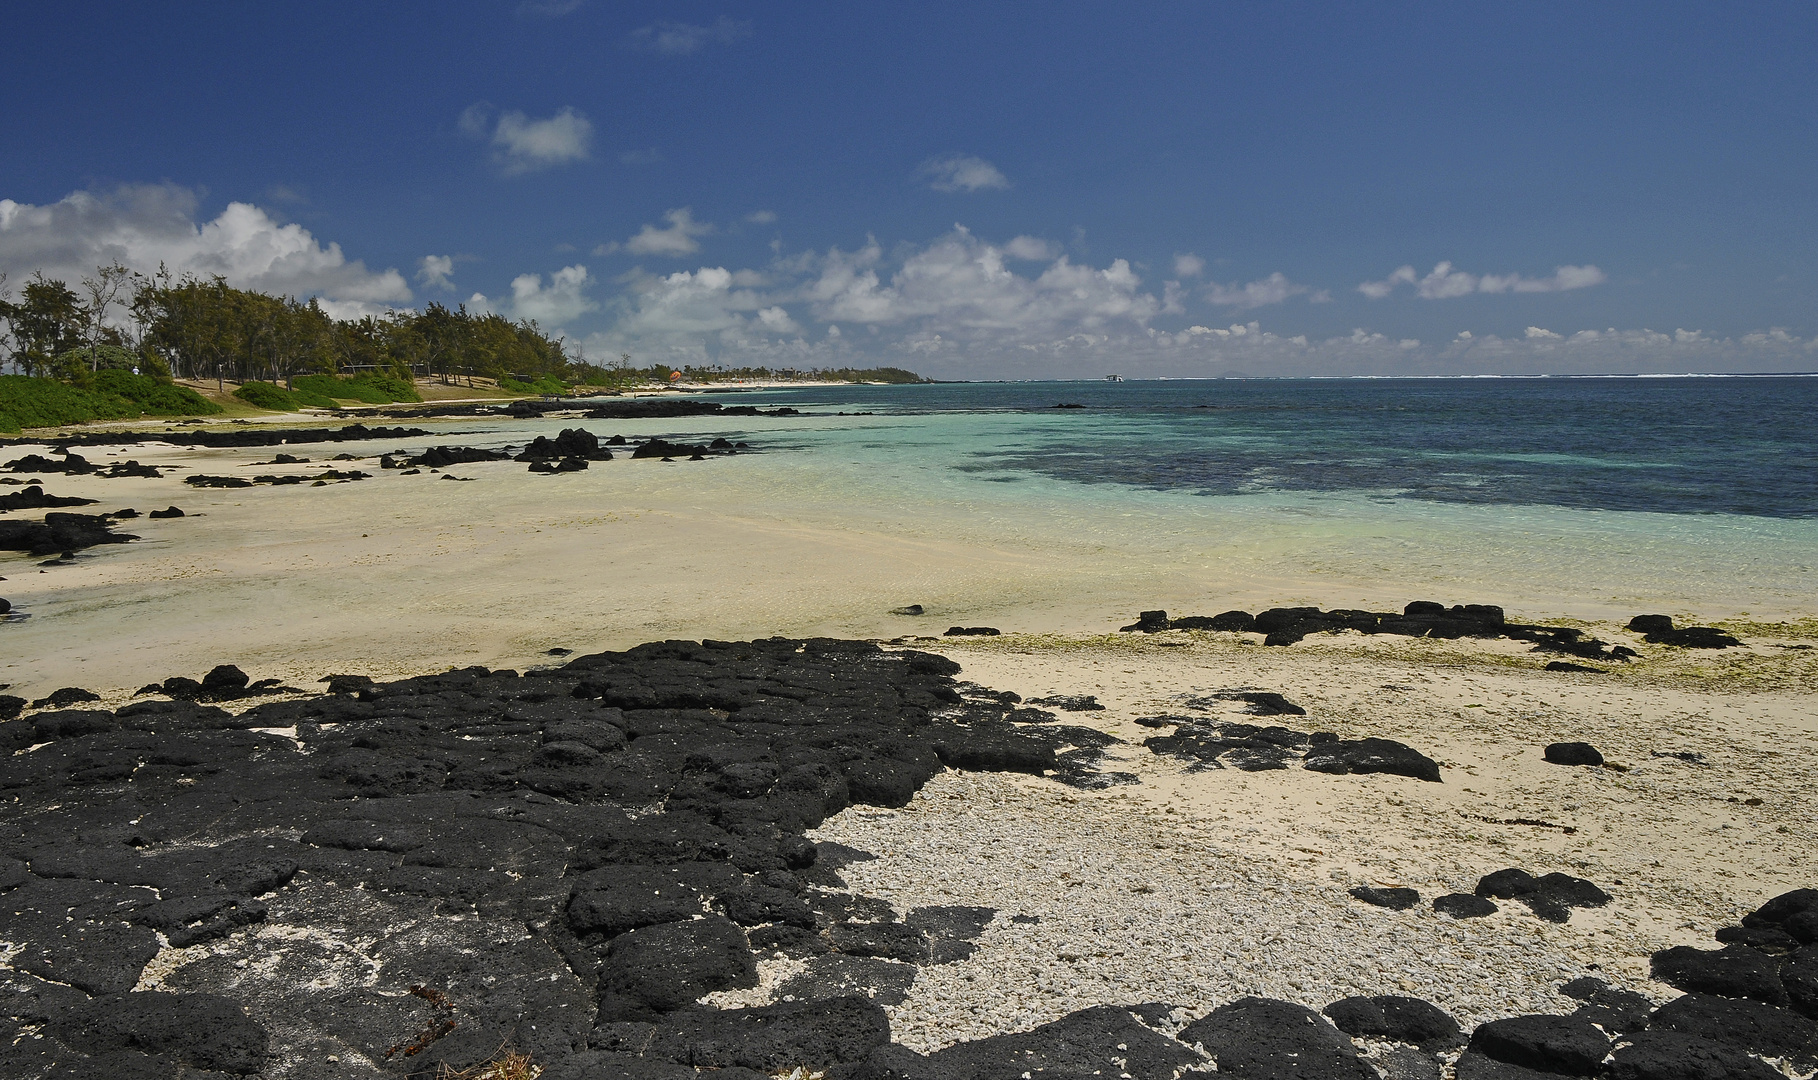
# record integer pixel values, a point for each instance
(1671, 1055)
(32, 497)
(661, 968)
(1659, 630)
(1732, 971)
(1263, 1039)
(1372, 755)
(463, 831)
(60, 532)
(1403, 1019)
(1754, 1026)
(1393, 899)
(441, 457)
(1567, 1045)
(1573, 753)
(1101, 1041)
(1463, 906)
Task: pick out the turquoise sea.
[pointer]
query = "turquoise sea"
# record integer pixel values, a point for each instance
(1740, 446)
(1586, 495)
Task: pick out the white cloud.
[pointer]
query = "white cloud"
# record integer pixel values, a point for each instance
(434, 271)
(1536, 333)
(777, 321)
(522, 145)
(761, 217)
(1274, 289)
(961, 172)
(680, 39)
(959, 286)
(1447, 282)
(143, 226)
(678, 238)
(1189, 265)
(1031, 248)
(563, 300)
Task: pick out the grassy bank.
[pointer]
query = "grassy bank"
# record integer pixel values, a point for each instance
(28, 402)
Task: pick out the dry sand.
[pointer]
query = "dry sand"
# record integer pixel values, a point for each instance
(1195, 887)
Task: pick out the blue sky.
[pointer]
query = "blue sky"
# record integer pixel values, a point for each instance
(984, 190)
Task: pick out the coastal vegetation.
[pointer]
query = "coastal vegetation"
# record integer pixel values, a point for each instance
(111, 395)
(114, 349)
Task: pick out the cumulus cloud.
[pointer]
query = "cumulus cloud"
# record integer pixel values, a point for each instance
(1031, 249)
(960, 284)
(521, 144)
(556, 304)
(143, 226)
(1446, 282)
(676, 238)
(961, 172)
(435, 271)
(761, 217)
(1189, 265)
(680, 39)
(1274, 289)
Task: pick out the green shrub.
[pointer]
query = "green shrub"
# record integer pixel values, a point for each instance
(547, 384)
(27, 401)
(390, 385)
(368, 387)
(154, 397)
(264, 395)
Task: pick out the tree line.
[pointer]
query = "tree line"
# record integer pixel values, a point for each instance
(203, 328)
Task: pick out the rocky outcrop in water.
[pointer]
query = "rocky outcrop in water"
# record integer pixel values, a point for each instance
(1422, 618)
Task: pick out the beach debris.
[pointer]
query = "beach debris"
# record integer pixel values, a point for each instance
(1659, 630)
(972, 631)
(1567, 665)
(1572, 753)
(911, 609)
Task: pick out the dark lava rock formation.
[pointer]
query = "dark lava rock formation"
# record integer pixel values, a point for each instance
(32, 497)
(439, 867)
(1422, 618)
(1252, 748)
(60, 533)
(408, 878)
(1659, 630)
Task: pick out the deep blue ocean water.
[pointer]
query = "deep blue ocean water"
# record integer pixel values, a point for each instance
(1699, 445)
